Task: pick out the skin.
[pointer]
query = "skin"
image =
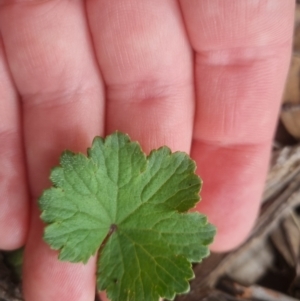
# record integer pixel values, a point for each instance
(205, 77)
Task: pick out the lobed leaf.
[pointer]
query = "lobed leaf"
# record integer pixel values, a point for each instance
(135, 207)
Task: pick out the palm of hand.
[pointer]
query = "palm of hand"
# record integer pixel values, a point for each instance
(200, 77)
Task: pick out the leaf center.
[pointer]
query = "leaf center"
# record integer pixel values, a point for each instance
(112, 229)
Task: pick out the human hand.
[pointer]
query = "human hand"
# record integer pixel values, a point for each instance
(203, 77)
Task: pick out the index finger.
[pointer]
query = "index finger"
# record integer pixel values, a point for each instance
(242, 56)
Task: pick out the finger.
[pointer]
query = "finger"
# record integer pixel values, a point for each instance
(103, 297)
(146, 64)
(13, 190)
(51, 58)
(242, 55)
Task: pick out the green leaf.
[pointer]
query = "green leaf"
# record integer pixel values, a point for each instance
(133, 209)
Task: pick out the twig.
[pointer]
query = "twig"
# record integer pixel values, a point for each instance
(290, 107)
(255, 292)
